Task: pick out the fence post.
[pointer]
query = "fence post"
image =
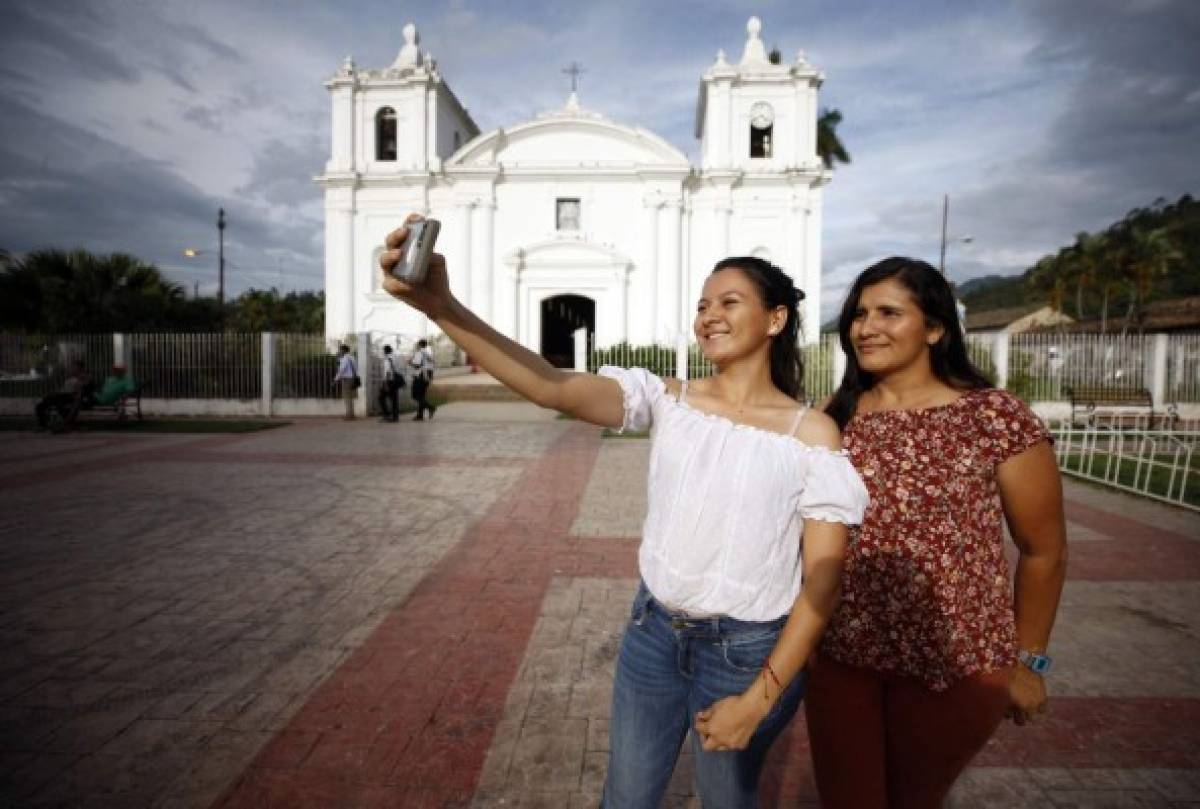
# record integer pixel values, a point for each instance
(268, 373)
(1158, 378)
(839, 363)
(119, 351)
(579, 340)
(1000, 358)
(681, 356)
(362, 404)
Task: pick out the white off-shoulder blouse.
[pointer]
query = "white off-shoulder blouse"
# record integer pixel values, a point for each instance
(727, 503)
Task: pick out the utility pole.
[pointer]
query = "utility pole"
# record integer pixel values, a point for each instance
(221, 261)
(945, 218)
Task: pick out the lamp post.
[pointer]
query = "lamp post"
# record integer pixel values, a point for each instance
(959, 239)
(221, 260)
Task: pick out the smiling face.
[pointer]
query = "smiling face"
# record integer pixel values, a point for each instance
(731, 319)
(889, 330)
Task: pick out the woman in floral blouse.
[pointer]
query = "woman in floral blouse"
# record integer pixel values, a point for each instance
(932, 645)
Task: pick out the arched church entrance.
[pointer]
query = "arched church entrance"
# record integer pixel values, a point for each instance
(562, 316)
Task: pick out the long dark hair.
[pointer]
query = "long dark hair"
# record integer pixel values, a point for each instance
(947, 357)
(775, 287)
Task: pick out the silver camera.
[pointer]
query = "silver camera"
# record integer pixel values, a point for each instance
(418, 247)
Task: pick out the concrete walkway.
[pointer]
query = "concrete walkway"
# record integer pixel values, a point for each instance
(426, 614)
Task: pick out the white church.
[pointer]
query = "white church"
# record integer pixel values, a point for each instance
(571, 220)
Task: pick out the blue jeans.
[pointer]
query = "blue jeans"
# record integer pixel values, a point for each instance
(669, 668)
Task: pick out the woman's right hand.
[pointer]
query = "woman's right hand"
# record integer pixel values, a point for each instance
(432, 296)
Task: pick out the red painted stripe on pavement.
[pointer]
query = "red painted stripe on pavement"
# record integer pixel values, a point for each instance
(1138, 551)
(408, 719)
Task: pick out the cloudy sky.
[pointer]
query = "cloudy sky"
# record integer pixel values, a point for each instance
(125, 124)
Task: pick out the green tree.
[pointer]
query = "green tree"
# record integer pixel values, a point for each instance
(78, 291)
(1152, 254)
(830, 148)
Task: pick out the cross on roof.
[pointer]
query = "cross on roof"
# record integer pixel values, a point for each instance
(574, 69)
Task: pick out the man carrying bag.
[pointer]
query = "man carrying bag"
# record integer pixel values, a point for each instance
(389, 388)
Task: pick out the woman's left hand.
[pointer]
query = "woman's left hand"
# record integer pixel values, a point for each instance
(1026, 695)
(729, 723)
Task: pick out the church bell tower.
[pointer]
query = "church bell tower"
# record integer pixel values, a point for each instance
(758, 114)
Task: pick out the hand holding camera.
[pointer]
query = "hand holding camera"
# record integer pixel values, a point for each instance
(412, 272)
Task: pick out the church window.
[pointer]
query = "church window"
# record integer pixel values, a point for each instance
(457, 140)
(385, 134)
(762, 125)
(567, 213)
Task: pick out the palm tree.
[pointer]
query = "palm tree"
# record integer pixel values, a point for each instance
(79, 291)
(1047, 278)
(1153, 253)
(829, 146)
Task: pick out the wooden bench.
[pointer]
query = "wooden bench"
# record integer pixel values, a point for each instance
(1115, 407)
(129, 404)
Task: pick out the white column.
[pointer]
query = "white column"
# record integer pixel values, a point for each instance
(839, 363)
(1158, 380)
(812, 269)
(432, 162)
(579, 341)
(339, 272)
(363, 359)
(488, 290)
(669, 292)
(462, 273)
(687, 296)
(724, 212)
(650, 276)
(119, 357)
(342, 134)
(1000, 359)
(268, 375)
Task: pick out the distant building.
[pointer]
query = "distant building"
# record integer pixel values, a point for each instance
(1016, 319)
(571, 221)
(1174, 315)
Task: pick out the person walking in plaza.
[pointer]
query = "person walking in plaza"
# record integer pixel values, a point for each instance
(931, 645)
(747, 491)
(347, 379)
(389, 388)
(422, 366)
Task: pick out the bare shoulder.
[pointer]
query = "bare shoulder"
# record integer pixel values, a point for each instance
(672, 385)
(819, 430)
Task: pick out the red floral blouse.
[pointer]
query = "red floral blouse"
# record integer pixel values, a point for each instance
(926, 590)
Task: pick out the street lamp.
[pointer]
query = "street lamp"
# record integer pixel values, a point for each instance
(221, 260)
(956, 239)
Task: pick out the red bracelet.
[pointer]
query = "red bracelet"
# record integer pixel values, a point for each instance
(768, 670)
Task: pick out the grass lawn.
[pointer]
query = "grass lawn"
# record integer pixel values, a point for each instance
(608, 432)
(155, 425)
(1127, 475)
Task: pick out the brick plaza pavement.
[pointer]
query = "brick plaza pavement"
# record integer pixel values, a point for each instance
(426, 615)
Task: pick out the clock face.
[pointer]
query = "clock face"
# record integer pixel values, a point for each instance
(761, 115)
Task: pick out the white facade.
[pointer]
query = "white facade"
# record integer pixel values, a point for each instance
(648, 225)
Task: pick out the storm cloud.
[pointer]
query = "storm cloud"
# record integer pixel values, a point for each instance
(125, 126)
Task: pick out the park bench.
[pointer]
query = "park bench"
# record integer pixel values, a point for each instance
(129, 404)
(123, 408)
(1099, 405)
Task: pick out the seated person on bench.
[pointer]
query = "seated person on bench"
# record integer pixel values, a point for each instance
(117, 385)
(66, 401)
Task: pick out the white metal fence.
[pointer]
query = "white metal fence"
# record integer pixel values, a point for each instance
(1037, 367)
(1164, 465)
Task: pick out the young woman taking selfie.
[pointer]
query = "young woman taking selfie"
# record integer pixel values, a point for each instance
(749, 493)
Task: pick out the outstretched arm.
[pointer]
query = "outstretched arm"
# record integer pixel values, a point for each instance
(586, 396)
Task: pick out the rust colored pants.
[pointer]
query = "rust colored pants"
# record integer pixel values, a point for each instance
(883, 741)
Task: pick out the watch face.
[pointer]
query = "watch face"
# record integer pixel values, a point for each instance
(761, 115)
